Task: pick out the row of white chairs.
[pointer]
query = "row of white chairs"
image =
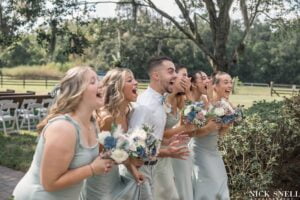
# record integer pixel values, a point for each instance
(13, 118)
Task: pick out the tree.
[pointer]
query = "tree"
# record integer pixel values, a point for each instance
(216, 13)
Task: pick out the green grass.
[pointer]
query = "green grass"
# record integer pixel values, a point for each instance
(16, 150)
(247, 95)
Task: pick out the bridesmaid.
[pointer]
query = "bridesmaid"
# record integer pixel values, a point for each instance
(164, 174)
(210, 178)
(120, 90)
(67, 150)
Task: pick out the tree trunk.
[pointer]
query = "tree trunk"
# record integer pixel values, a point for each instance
(52, 42)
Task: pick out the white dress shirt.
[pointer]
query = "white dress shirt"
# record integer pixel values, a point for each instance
(149, 110)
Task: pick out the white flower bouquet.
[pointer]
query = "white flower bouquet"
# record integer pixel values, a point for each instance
(143, 144)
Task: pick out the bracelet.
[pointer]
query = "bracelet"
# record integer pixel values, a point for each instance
(92, 169)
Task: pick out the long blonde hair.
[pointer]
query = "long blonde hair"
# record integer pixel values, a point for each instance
(113, 84)
(71, 88)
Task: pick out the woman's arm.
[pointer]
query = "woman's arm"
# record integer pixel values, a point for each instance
(205, 130)
(59, 149)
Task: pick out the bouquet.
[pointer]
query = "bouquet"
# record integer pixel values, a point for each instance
(195, 113)
(143, 144)
(224, 113)
(115, 144)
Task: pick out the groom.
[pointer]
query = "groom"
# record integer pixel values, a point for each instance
(150, 110)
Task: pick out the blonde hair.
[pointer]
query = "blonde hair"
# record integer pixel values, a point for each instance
(71, 88)
(113, 83)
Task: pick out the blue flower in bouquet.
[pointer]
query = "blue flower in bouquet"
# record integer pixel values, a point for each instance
(194, 113)
(140, 151)
(115, 144)
(142, 143)
(191, 116)
(224, 113)
(110, 142)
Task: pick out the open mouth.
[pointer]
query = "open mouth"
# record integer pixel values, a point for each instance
(171, 82)
(99, 94)
(227, 92)
(134, 91)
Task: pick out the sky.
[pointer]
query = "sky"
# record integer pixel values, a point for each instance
(108, 9)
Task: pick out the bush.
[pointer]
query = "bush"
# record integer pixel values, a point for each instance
(262, 153)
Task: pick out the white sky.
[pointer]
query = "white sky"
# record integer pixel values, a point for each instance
(108, 9)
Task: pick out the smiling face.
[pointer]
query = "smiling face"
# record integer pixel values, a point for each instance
(201, 82)
(166, 76)
(223, 85)
(93, 94)
(130, 88)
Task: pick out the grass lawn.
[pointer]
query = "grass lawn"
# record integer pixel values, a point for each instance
(16, 150)
(21, 89)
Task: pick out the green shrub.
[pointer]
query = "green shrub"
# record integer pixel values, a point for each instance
(262, 153)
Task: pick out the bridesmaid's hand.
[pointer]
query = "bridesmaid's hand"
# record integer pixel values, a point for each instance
(213, 126)
(139, 177)
(100, 166)
(136, 162)
(178, 152)
(179, 139)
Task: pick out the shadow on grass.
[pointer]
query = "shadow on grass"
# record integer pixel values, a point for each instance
(16, 150)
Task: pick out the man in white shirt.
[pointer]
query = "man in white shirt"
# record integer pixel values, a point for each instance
(150, 110)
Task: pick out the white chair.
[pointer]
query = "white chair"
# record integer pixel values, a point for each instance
(6, 101)
(8, 114)
(43, 111)
(30, 115)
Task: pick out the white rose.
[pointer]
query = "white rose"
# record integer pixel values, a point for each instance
(102, 135)
(119, 155)
(219, 112)
(140, 133)
(187, 110)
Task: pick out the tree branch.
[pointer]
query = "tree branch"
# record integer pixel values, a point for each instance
(185, 14)
(248, 23)
(196, 38)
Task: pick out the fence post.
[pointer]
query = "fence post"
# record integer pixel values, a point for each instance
(271, 86)
(294, 90)
(23, 81)
(46, 82)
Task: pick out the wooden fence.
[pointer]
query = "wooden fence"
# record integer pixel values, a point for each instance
(143, 84)
(24, 81)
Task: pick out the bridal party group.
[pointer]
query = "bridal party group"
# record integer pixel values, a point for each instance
(104, 139)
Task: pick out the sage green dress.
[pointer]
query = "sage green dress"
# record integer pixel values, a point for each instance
(30, 187)
(210, 177)
(164, 184)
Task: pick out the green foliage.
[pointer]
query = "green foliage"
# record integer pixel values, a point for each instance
(16, 151)
(262, 153)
